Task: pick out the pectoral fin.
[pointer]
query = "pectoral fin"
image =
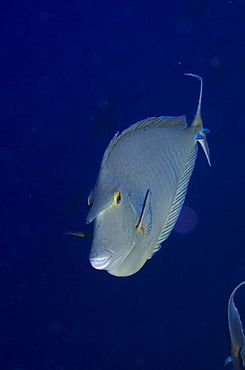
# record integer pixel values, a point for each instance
(145, 222)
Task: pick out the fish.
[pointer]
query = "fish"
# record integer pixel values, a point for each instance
(140, 189)
(236, 334)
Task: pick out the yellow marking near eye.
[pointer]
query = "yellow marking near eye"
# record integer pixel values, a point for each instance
(115, 198)
(89, 204)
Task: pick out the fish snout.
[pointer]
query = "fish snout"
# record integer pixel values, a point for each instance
(100, 263)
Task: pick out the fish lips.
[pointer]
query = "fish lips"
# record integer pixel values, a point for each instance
(101, 262)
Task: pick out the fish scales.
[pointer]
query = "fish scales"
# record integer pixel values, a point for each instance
(162, 174)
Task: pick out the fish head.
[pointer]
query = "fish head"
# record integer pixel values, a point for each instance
(118, 232)
(122, 224)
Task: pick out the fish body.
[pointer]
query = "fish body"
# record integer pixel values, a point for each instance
(140, 189)
(236, 334)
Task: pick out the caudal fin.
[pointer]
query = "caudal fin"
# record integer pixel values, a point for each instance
(200, 135)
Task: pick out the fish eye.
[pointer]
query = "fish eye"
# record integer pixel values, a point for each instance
(117, 197)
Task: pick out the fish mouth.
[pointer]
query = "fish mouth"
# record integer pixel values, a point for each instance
(100, 263)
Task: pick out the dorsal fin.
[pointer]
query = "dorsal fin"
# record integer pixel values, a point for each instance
(163, 121)
(198, 118)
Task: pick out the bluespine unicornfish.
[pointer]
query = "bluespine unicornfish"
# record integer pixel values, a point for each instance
(236, 334)
(140, 189)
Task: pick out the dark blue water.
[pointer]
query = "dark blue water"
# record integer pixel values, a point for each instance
(72, 73)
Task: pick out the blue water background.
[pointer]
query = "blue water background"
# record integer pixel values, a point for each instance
(72, 73)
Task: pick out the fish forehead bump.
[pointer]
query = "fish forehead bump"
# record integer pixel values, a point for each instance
(102, 193)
